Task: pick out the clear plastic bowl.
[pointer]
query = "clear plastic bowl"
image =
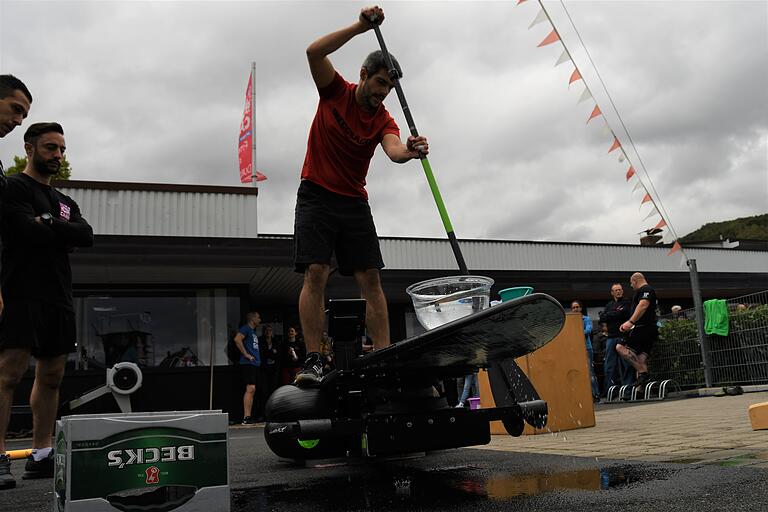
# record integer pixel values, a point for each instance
(442, 300)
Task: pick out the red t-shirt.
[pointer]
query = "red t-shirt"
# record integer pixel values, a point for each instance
(342, 140)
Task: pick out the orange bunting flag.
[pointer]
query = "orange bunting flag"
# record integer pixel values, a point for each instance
(630, 172)
(660, 225)
(520, 1)
(646, 199)
(575, 76)
(595, 112)
(616, 144)
(675, 247)
(551, 38)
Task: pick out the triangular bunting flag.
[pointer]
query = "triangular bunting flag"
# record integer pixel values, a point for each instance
(564, 57)
(574, 76)
(630, 172)
(540, 18)
(520, 1)
(646, 198)
(622, 156)
(260, 177)
(683, 261)
(551, 38)
(595, 112)
(653, 212)
(674, 249)
(661, 224)
(616, 144)
(585, 95)
(637, 186)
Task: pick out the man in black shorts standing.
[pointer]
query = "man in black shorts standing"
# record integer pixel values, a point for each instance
(641, 328)
(332, 212)
(40, 227)
(15, 101)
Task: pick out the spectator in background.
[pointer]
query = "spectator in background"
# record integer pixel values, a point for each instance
(615, 313)
(270, 367)
(677, 313)
(641, 329)
(326, 351)
(578, 307)
(293, 352)
(250, 361)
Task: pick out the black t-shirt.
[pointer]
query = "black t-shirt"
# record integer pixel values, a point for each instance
(35, 257)
(645, 292)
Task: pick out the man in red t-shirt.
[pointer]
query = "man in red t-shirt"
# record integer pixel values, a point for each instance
(332, 212)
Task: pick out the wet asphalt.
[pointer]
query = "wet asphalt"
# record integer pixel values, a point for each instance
(464, 479)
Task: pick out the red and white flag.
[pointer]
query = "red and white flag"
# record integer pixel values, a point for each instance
(245, 141)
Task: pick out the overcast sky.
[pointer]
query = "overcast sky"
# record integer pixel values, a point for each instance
(154, 91)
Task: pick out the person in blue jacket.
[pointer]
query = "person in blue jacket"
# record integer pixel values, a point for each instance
(250, 362)
(578, 307)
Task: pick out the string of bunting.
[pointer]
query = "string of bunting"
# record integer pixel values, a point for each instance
(630, 175)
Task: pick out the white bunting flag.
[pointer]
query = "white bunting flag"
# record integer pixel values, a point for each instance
(540, 18)
(585, 95)
(653, 212)
(564, 57)
(638, 185)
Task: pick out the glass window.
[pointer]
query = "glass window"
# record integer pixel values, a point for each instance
(168, 329)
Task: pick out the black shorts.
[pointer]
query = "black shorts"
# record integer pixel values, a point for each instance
(45, 330)
(641, 338)
(328, 223)
(250, 373)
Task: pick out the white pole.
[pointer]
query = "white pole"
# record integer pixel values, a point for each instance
(253, 127)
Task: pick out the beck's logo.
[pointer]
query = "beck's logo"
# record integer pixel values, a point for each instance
(122, 458)
(153, 475)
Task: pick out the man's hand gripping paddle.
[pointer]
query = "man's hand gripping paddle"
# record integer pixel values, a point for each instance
(395, 77)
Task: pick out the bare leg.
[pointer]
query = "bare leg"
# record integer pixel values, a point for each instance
(250, 390)
(376, 315)
(44, 399)
(13, 364)
(312, 305)
(638, 361)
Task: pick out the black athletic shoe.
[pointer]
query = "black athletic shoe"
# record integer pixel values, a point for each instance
(312, 373)
(248, 421)
(34, 469)
(6, 478)
(642, 379)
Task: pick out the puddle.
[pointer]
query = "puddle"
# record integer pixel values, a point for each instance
(436, 489)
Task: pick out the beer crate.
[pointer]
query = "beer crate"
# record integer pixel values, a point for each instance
(149, 461)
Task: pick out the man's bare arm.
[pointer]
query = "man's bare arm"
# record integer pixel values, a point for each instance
(401, 153)
(317, 52)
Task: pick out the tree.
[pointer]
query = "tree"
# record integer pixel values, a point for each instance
(743, 228)
(20, 162)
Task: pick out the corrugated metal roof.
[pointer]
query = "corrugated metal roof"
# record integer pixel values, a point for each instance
(208, 213)
(147, 209)
(481, 255)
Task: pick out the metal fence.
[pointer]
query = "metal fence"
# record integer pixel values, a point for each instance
(740, 358)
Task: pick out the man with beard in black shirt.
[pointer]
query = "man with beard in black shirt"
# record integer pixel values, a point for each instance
(40, 227)
(641, 328)
(15, 101)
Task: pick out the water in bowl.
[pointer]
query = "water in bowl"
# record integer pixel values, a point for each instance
(438, 314)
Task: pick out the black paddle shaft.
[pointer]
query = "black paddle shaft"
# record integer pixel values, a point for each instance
(395, 77)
